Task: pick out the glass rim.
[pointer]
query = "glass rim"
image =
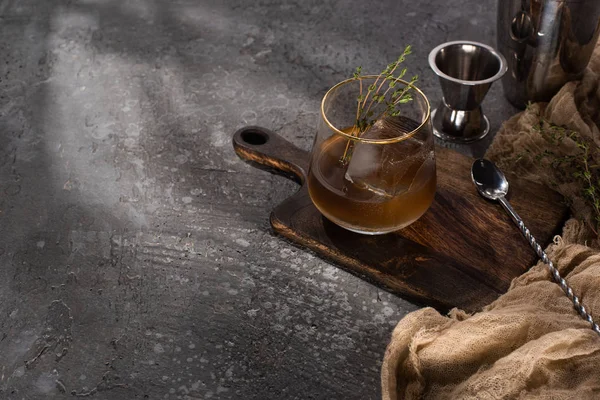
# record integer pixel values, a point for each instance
(375, 141)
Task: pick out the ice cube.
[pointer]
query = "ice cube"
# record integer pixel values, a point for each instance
(388, 170)
(365, 162)
(381, 168)
(425, 172)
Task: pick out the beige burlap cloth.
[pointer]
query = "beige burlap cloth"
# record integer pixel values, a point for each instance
(530, 343)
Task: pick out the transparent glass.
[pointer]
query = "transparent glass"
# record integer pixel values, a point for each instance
(381, 180)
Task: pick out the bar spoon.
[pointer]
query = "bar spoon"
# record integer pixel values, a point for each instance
(492, 184)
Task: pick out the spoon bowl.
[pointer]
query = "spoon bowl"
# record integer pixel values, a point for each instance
(489, 180)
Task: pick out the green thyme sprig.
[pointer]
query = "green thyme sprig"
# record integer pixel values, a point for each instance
(377, 95)
(591, 183)
(580, 164)
(384, 91)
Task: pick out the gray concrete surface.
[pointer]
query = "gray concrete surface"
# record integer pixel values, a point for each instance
(136, 258)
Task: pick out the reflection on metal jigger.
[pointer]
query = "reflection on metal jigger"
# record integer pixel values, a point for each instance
(466, 71)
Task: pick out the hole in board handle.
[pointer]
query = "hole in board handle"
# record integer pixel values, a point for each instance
(255, 137)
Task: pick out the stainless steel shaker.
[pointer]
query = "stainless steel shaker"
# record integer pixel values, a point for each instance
(546, 43)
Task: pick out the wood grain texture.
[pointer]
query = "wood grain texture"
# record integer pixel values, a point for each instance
(463, 252)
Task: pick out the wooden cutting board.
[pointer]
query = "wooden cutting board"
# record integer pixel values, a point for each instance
(463, 252)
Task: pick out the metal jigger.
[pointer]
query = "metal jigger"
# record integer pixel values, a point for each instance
(466, 71)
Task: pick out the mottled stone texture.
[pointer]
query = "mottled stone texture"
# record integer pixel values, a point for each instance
(136, 259)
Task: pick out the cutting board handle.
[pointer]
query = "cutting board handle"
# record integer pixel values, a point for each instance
(268, 149)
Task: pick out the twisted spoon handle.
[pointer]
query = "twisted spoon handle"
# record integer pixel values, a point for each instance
(555, 274)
